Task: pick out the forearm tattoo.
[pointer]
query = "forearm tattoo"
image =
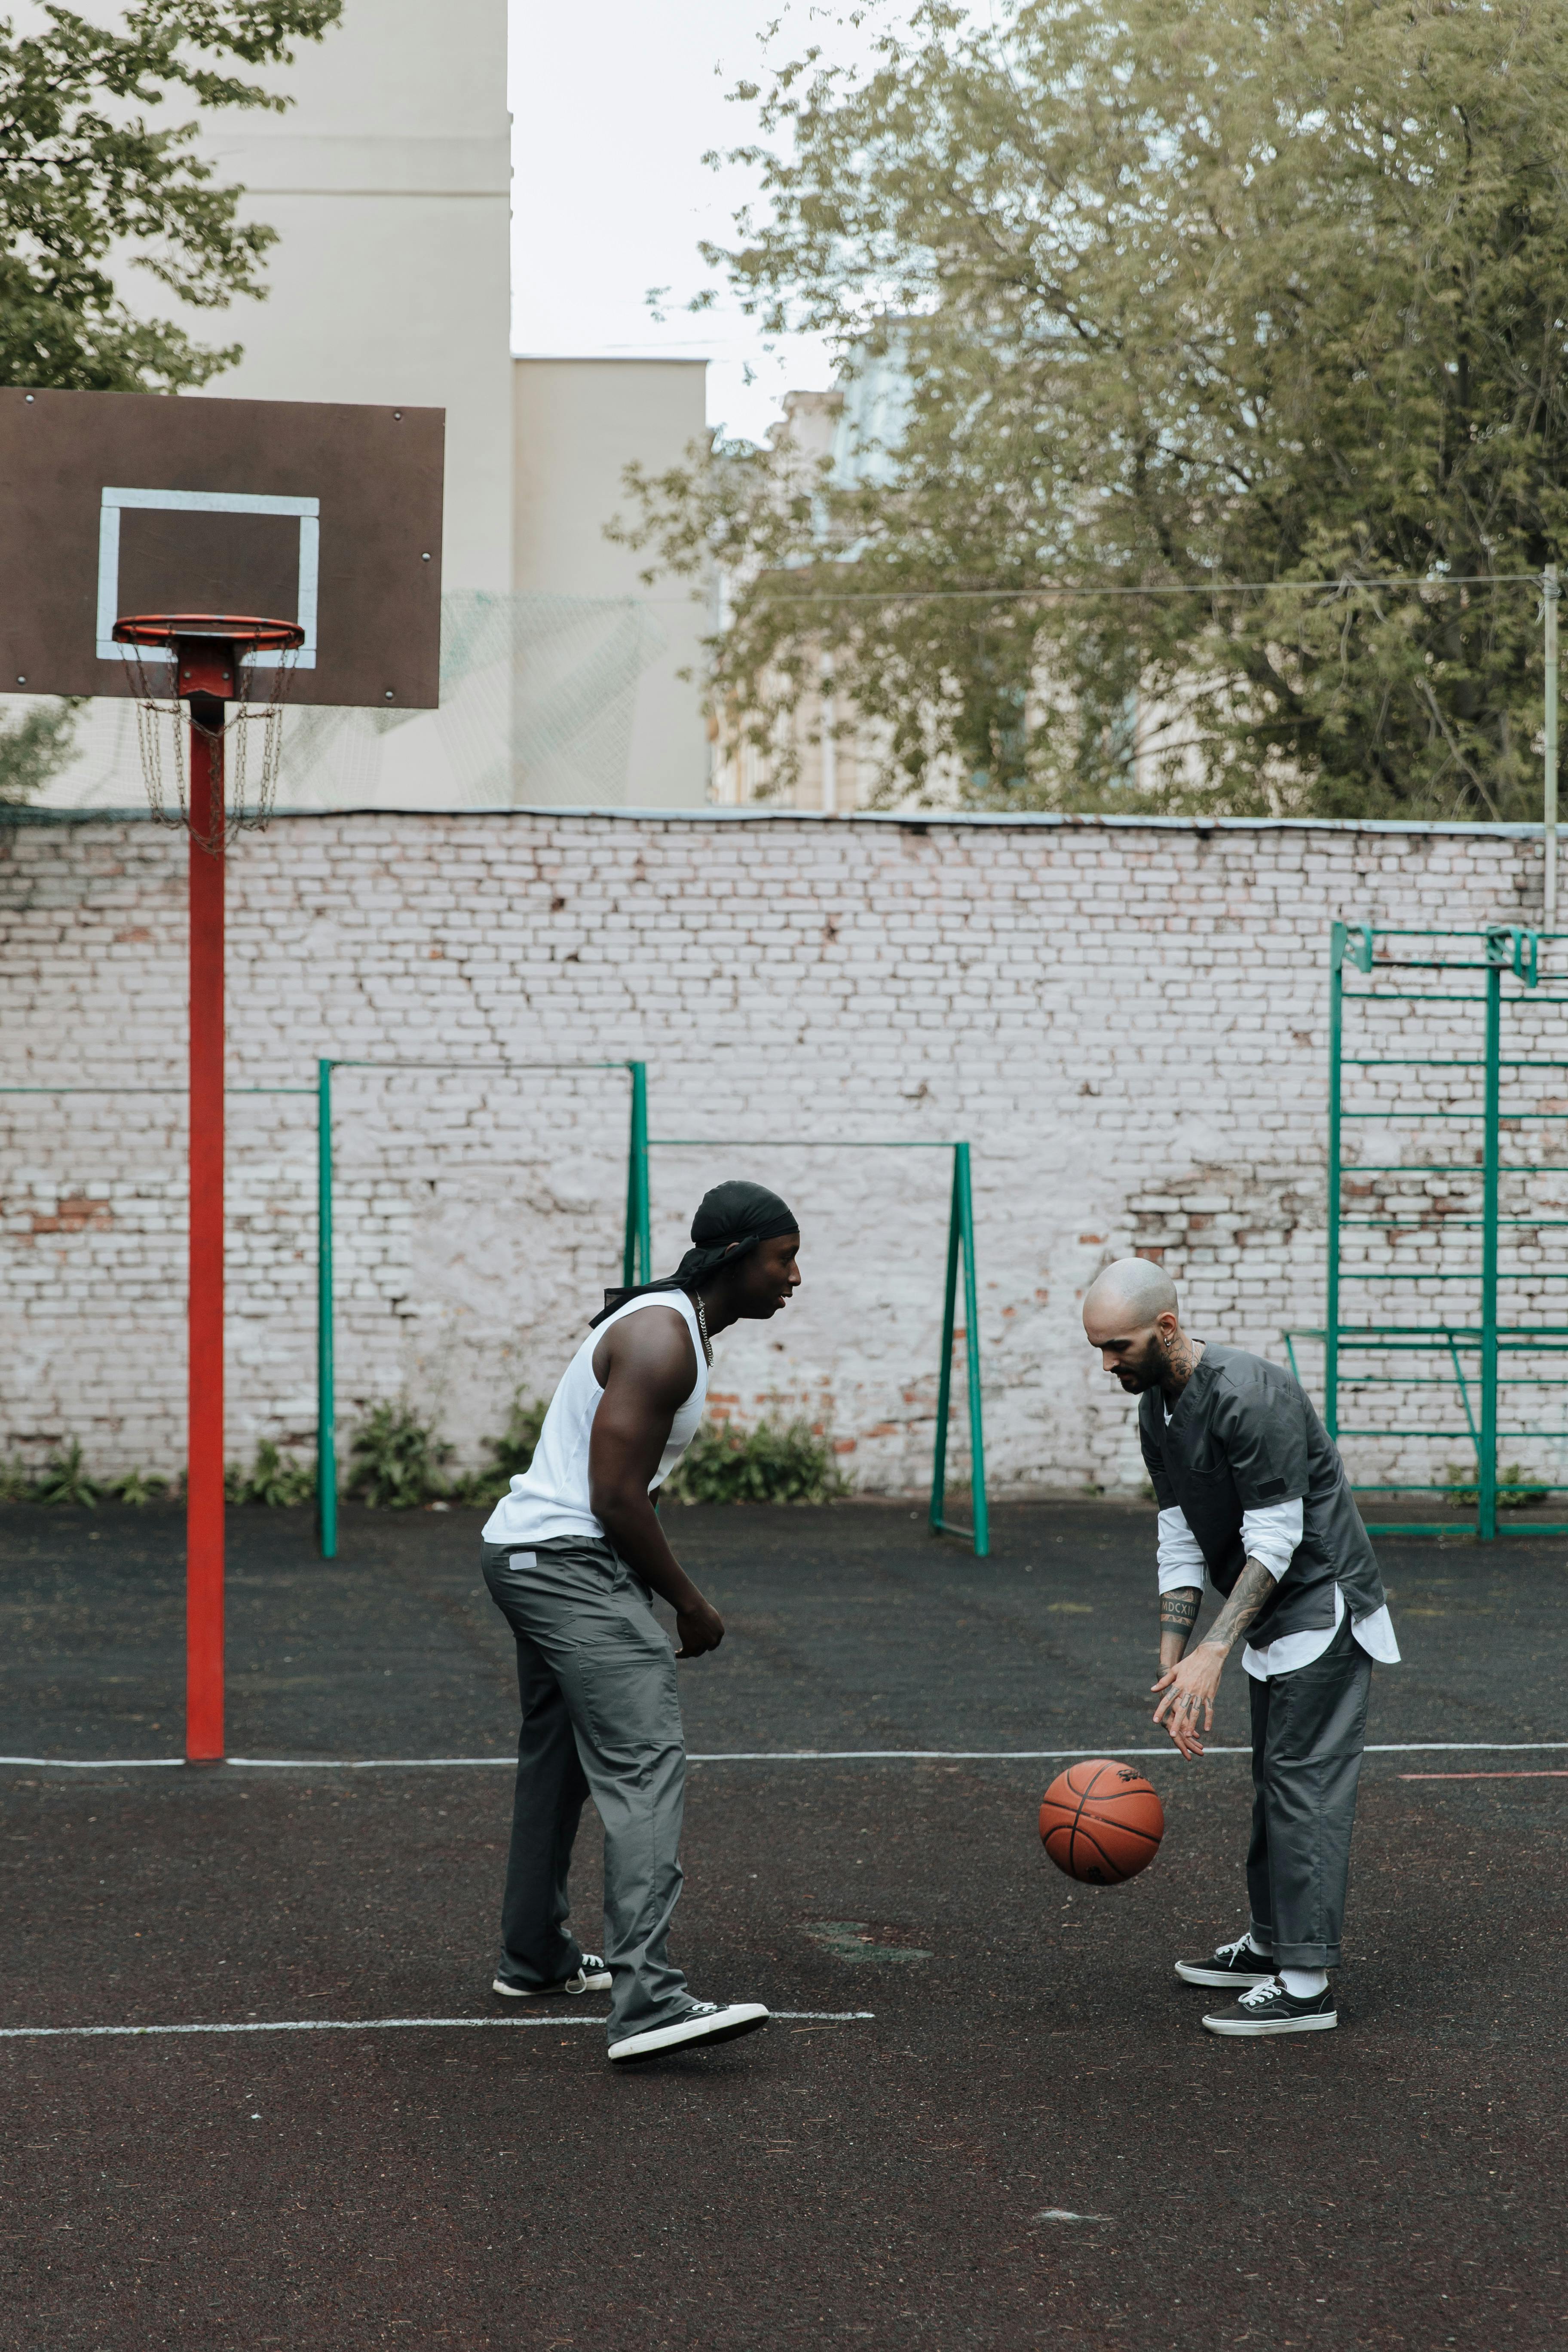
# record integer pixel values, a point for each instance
(1250, 1591)
(1179, 1610)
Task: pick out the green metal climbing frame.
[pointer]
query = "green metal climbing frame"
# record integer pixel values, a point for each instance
(1380, 980)
(636, 1256)
(960, 1256)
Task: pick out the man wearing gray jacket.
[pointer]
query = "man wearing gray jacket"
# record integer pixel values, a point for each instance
(1254, 1499)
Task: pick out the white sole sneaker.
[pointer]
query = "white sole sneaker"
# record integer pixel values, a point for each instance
(697, 2028)
(1252, 2029)
(595, 1980)
(1198, 1972)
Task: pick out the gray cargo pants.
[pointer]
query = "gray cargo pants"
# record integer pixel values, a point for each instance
(1307, 1732)
(601, 1717)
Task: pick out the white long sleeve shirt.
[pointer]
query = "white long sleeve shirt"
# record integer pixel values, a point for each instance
(1271, 1536)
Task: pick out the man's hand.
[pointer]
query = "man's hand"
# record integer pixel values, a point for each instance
(701, 1628)
(1187, 1706)
(1190, 1685)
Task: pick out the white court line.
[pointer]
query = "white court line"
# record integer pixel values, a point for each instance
(380, 2025)
(755, 1756)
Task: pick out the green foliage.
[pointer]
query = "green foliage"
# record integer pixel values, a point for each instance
(16, 1480)
(513, 1452)
(36, 748)
(508, 1455)
(139, 1487)
(278, 1480)
(84, 175)
(1263, 292)
(64, 1479)
(1515, 1492)
(396, 1461)
(769, 1463)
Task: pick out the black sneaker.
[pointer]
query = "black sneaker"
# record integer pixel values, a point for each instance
(591, 1977)
(705, 2021)
(1269, 2009)
(1233, 1964)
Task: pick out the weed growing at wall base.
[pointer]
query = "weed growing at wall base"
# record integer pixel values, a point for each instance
(274, 1480)
(396, 1461)
(1514, 1490)
(139, 1487)
(65, 1479)
(770, 1463)
(513, 1452)
(16, 1480)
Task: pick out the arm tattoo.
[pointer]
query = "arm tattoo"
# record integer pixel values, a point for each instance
(1249, 1594)
(1179, 1610)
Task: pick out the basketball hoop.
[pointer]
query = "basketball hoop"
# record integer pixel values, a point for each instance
(215, 660)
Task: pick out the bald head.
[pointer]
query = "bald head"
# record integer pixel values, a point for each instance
(1133, 1292)
(1129, 1315)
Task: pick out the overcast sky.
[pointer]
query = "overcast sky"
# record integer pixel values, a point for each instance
(613, 109)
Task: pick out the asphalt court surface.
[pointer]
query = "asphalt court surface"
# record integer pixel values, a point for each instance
(893, 2179)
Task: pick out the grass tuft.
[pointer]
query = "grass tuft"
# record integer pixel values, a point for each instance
(773, 1462)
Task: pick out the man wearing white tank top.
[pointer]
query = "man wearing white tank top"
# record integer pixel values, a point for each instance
(572, 1556)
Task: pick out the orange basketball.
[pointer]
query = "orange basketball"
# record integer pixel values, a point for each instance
(1101, 1821)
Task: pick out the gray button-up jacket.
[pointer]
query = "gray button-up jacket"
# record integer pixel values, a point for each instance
(1244, 1434)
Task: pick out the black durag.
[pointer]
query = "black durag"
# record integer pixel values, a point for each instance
(730, 1221)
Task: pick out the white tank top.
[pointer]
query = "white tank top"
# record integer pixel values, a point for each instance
(551, 1498)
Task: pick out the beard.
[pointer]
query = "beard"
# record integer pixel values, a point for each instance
(1144, 1371)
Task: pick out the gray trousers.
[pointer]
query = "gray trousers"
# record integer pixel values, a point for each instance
(1307, 1732)
(601, 1717)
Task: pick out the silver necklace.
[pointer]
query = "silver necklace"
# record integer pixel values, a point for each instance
(702, 1326)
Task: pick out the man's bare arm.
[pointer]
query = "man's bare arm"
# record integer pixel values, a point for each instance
(645, 1365)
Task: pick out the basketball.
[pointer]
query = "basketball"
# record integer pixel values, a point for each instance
(1101, 1821)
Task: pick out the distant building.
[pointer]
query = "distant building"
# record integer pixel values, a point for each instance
(825, 757)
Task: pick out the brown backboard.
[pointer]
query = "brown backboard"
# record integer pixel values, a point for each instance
(114, 503)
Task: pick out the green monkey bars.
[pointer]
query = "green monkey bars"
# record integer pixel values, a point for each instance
(1473, 1349)
(636, 1255)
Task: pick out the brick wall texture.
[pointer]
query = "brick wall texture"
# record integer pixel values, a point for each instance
(1127, 1022)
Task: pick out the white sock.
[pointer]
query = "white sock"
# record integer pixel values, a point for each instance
(1264, 1951)
(1302, 1983)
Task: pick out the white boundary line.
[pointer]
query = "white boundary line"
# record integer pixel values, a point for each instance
(381, 2025)
(748, 1756)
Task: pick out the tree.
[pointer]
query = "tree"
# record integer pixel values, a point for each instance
(82, 172)
(1188, 291)
(36, 748)
(82, 175)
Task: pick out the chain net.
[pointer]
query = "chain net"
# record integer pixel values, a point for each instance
(160, 713)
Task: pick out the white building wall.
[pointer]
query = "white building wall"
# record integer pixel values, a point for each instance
(389, 181)
(1126, 1019)
(609, 689)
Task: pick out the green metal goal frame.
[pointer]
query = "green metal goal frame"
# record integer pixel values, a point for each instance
(960, 1247)
(635, 1254)
(1501, 954)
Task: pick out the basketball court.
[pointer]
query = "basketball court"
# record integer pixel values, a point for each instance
(256, 1802)
(985, 2113)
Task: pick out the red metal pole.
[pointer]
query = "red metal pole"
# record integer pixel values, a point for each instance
(204, 1493)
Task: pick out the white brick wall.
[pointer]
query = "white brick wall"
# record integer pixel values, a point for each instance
(1127, 1020)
